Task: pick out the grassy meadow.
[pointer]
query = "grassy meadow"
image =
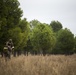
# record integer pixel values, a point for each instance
(39, 65)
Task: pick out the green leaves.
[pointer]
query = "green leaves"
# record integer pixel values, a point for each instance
(10, 15)
(40, 36)
(56, 25)
(65, 41)
(16, 35)
(43, 38)
(34, 23)
(75, 44)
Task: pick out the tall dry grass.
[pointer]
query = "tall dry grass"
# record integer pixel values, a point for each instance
(39, 65)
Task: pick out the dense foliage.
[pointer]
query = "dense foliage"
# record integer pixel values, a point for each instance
(75, 44)
(65, 42)
(43, 38)
(33, 36)
(56, 25)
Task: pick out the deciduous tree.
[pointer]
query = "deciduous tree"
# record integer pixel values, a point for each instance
(56, 25)
(10, 15)
(43, 39)
(65, 42)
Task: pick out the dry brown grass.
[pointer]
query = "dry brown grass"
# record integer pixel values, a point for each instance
(39, 65)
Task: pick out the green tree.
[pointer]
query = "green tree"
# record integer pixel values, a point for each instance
(75, 44)
(25, 30)
(43, 39)
(10, 15)
(56, 25)
(65, 42)
(20, 35)
(16, 35)
(34, 23)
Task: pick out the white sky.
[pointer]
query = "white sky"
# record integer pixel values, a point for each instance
(48, 10)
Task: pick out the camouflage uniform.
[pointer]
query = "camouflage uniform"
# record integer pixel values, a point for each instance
(9, 45)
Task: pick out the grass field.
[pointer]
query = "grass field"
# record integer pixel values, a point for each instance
(39, 65)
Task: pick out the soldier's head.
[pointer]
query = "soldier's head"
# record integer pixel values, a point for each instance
(10, 40)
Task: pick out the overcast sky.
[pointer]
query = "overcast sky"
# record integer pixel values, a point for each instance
(46, 11)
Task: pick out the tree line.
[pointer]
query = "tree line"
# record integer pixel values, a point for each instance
(34, 37)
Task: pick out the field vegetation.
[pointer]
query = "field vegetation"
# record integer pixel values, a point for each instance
(39, 65)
